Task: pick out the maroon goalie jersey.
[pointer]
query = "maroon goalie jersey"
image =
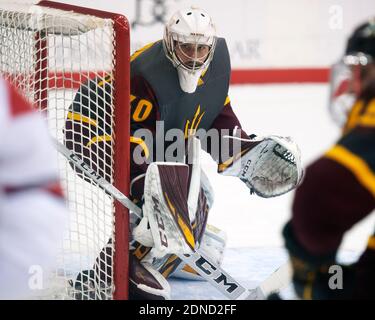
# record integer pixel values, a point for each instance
(338, 191)
(155, 98)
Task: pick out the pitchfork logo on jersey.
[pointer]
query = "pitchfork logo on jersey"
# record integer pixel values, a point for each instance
(191, 126)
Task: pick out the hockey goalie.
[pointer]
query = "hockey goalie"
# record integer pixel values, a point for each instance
(179, 84)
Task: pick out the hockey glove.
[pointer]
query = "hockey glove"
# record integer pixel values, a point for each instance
(269, 166)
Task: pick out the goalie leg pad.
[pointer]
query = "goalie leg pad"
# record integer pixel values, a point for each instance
(165, 207)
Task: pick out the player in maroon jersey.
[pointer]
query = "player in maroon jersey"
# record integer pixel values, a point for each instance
(339, 188)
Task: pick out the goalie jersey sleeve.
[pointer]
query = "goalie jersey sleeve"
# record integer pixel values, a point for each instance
(32, 206)
(339, 188)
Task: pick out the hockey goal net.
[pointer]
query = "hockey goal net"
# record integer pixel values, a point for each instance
(50, 51)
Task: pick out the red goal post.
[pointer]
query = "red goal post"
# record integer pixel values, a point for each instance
(50, 46)
(121, 160)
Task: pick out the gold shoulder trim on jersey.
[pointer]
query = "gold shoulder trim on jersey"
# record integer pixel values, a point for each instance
(78, 117)
(141, 143)
(368, 118)
(354, 164)
(361, 114)
(354, 116)
(367, 121)
(143, 49)
(227, 100)
(99, 139)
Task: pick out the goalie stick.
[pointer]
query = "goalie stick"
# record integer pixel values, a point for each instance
(215, 275)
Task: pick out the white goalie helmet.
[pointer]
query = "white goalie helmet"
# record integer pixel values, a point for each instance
(189, 43)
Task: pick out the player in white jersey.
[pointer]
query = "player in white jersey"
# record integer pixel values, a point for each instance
(32, 206)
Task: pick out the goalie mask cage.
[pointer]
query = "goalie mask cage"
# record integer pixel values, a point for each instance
(49, 51)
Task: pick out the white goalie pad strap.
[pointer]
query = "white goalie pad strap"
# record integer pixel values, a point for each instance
(147, 285)
(195, 176)
(142, 233)
(271, 168)
(207, 189)
(166, 234)
(212, 245)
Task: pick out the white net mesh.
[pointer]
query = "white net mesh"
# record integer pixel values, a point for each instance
(49, 55)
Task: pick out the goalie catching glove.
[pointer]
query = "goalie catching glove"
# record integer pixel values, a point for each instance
(270, 166)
